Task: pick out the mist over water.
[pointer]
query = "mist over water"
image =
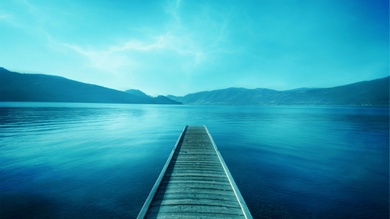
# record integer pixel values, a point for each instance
(60, 160)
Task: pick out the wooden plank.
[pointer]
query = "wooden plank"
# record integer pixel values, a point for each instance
(195, 182)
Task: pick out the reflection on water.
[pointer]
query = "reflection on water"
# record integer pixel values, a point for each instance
(62, 160)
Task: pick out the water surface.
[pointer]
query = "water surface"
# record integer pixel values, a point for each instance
(62, 160)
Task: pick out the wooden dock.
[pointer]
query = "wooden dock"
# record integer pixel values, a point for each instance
(195, 182)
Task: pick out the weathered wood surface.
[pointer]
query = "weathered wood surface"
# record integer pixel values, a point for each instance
(195, 182)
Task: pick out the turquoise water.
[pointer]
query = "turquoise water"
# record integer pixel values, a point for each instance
(61, 160)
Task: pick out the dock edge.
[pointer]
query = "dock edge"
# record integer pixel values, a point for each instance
(237, 192)
(149, 199)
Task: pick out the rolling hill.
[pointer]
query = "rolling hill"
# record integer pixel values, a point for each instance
(159, 99)
(375, 92)
(46, 88)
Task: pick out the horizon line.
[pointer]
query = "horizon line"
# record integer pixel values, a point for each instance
(210, 90)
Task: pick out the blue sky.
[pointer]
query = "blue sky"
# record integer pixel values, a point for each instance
(182, 46)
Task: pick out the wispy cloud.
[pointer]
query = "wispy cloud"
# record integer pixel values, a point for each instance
(173, 8)
(182, 45)
(204, 35)
(104, 60)
(5, 16)
(27, 17)
(116, 57)
(134, 45)
(178, 39)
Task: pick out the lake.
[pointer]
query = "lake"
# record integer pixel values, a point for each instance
(69, 160)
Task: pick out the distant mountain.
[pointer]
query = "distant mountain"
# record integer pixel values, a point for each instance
(165, 100)
(158, 100)
(375, 92)
(46, 88)
(137, 93)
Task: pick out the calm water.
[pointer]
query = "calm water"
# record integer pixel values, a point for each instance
(100, 160)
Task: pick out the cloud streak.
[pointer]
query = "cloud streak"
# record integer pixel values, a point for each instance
(5, 17)
(116, 57)
(173, 9)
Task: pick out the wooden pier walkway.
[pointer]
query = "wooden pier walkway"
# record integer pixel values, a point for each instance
(195, 182)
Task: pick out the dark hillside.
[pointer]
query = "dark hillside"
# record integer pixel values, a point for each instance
(46, 88)
(375, 92)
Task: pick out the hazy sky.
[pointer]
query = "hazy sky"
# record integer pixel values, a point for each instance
(181, 46)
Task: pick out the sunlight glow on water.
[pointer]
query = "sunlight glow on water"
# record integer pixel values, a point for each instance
(99, 160)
